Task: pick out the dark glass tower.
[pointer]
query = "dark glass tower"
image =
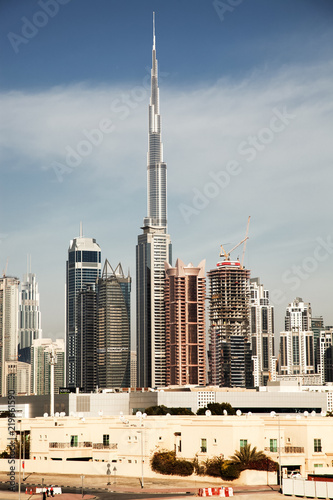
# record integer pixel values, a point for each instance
(153, 249)
(114, 328)
(82, 268)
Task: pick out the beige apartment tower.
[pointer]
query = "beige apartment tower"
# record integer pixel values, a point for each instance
(185, 290)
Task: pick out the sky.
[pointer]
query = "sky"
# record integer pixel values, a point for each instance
(246, 100)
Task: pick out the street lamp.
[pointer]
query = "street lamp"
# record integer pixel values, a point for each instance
(274, 414)
(82, 478)
(141, 416)
(141, 432)
(20, 460)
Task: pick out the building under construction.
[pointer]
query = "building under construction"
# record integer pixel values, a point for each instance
(230, 353)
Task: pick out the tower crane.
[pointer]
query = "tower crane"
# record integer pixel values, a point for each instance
(226, 255)
(4, 272)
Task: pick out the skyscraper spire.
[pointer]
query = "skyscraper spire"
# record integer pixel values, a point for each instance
(153, 250)
(154, 31)
(156, 168)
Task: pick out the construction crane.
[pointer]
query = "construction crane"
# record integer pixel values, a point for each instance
(4, 272)
(226, 255)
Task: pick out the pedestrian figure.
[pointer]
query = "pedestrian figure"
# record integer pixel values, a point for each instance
(51, 491)
(44, 495)
(47, 492)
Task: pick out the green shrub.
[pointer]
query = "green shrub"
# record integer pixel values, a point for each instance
(165, 462)
(230, 471)
(213, 466)
(217, 409)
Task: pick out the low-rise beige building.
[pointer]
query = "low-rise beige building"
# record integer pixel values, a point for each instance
(303, 442)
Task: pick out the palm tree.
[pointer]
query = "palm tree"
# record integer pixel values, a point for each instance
(247, 456)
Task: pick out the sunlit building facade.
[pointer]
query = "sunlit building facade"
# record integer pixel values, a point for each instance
(153, 249)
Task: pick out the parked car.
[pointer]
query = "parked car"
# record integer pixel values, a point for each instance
(295, 474)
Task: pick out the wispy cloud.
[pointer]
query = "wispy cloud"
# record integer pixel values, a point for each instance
(286, 187)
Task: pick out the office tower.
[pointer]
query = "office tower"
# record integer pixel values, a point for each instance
(262, 334)
(325, 364)
(41, 368)
(296, 342)
(29, 316)
(133, 369)
(153, 249)
(87, 331)
(83, 268)
(229, 354)
(9, 306)
(317, 325)
(185, 293)
(114, 328)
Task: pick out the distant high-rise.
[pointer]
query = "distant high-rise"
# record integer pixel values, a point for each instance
(41, 368)
(262, 334)
(133, 369)
(113, 344)
(82, 268)
(9, 307)
(153, 249)
(87, 331)
(185, 294)
(229, 306)
(296, 342)
(29, 316)
(317, 325)
(325, 355)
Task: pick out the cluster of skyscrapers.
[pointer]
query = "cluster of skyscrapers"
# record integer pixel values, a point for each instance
(24, 354)
(172, 348)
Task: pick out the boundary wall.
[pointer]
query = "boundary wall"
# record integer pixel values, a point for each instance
(310, 489)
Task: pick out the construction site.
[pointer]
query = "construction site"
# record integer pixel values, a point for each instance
(229, 308)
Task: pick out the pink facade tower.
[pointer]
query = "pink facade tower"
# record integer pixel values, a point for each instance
(185, 292)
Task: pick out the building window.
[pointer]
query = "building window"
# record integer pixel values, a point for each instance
(203, 446)
(242, 443)
(317, 445)
(273, 445)
(318, 465)
(106, 439)
(74, 441)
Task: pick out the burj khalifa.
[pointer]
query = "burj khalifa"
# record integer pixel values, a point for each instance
(153, 249)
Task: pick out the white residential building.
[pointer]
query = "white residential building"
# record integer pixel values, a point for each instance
(262, 334)
(296, 342)
(40, 365)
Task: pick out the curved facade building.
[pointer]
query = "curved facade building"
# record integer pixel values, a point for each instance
(113, 340)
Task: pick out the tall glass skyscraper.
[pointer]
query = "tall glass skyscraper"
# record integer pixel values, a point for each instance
(153, 249)
(83, 268)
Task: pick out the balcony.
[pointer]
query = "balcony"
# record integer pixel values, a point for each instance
(101, 446)
(286, 449)
(84, 444)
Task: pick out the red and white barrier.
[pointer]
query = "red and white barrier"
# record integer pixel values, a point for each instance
(221, 492)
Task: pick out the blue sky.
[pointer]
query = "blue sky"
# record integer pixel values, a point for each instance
(246, 106)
